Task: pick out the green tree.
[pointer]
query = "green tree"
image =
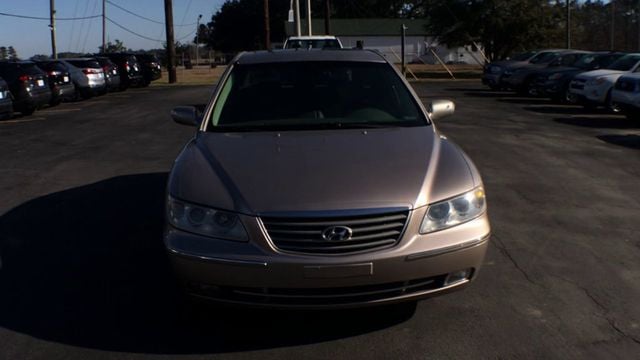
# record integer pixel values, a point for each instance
(501, 26)
(13, 54)
(114, 47)
(39, 57)
(4, 54)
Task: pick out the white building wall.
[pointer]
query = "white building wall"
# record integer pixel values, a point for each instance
(416, 47)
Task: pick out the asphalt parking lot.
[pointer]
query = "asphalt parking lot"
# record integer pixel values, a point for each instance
(83, 273)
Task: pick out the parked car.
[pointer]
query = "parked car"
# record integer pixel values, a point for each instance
(521, 78)
(62, 88)
(151, 70)
(593, 88)
(553, 82)
(87, 76)
(626, 95)
(6, 104)
(111, 75)
(313, 42)
(492, 72)
(28, 85)
(359, 199)
(129, 68)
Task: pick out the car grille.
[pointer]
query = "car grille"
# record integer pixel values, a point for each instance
(577, 84)
(305, 235)
(626, 85)
(317, 296)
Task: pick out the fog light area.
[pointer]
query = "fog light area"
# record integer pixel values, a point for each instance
(457, 276)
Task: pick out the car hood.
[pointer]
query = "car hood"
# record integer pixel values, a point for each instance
(506, 63)
(598, 73)
(302, 171)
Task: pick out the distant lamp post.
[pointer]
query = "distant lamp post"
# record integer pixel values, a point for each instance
(290, 17)
(198, 39)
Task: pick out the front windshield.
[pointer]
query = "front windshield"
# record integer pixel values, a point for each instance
(544, 58)
(625, 63)
(313, 44)
(523, 56)
(314, 95)
(586, 61)
(596, 61)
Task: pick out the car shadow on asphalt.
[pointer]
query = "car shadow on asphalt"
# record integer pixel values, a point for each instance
(605, 122)
(87, 267)
(628, 140)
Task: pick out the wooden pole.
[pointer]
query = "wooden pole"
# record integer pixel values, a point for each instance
(104, 26)
(267, 28)
(327, 17)
(52, 11)
(171, 43)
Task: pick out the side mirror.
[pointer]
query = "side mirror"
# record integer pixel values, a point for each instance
(439, 109)
(185, 115)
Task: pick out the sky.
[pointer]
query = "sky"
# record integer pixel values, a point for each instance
(30, 37)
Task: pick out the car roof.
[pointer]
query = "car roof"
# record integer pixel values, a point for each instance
(312, 37)
(79, 59)
(296, 55)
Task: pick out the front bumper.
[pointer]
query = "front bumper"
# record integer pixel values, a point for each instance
(626, 99)
(258, 274)
(6, 107)
(492, 80)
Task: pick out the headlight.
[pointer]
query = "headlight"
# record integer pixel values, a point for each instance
(556, 76)
(495, 69)
(597, 81)
(205, 221)
(452, 212)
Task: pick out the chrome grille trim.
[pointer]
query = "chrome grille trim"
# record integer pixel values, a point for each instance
(304, 234)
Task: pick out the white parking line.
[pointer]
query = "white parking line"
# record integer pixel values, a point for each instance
(21, 120)
(59, 110)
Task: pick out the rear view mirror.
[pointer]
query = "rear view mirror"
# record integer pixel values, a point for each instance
(439, 109)
(185, 115)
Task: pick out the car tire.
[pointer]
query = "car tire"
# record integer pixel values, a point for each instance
(29, 110)
(609, 105)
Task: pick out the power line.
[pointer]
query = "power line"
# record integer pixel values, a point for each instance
(186, 36)
(131, 31)
(143, 17)
(48, 19)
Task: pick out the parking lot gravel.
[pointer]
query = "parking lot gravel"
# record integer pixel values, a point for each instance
(83, 273)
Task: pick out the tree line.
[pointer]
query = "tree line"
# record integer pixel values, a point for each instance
(502, 27)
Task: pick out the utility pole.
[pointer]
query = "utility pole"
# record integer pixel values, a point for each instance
(104, 26)
(171, 43)
(327, 17)
(198, 39)
(267, 28)
(298, 27)
(52, 11)
(568, 24)
(613, 24)
(309, 16)
(403, 34)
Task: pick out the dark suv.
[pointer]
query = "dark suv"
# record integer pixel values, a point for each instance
(62, 87)
(6, 104)
(150, 68)
(111, 75)
(28, 84)
(129, 68)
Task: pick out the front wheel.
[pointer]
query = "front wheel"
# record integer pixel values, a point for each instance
(28, 110)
